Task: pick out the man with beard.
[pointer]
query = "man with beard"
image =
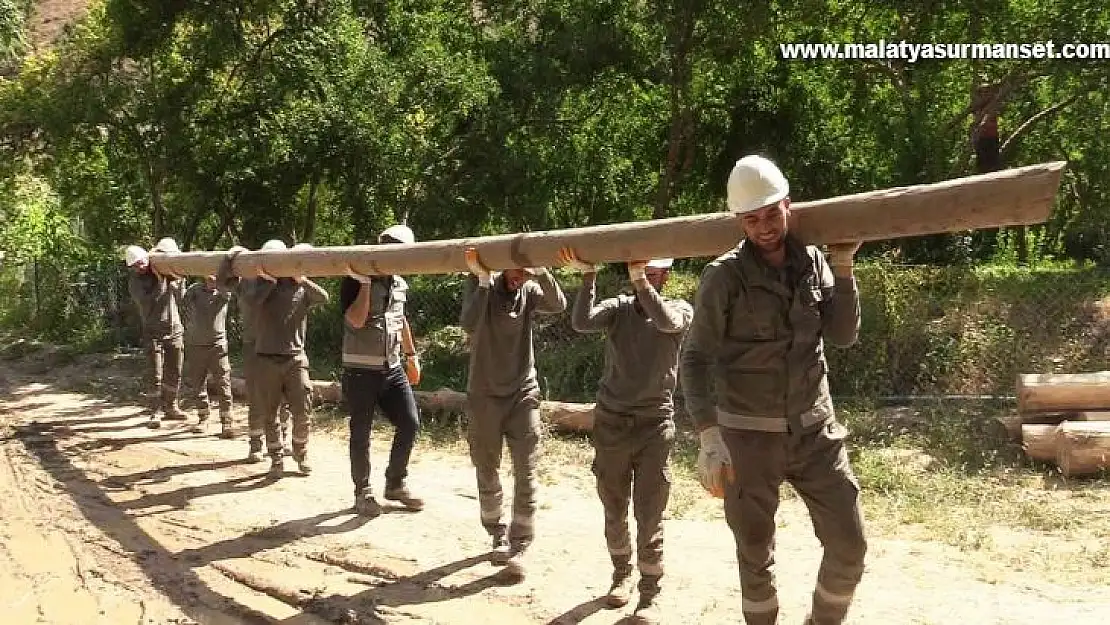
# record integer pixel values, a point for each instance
(754, 377)
(503, 395)
(634, 430)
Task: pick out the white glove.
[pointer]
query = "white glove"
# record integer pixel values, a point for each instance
(714, 462)
(358, 276)
(568, 258)
(476, 267)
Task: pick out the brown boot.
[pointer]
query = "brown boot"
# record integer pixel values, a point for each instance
(227, 429)
(620, 592)
(404, 496)
(647, 609)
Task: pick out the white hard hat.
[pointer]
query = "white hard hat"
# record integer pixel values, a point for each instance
(166, 244)
(755, 182)
(134, 254)
(302, 246)
(661, 263)
(400, 232)
(274, 244)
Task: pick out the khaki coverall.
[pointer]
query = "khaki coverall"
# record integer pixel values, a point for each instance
(158, 299)
(503, 394)
(634, 429)
(758, 338)
(281, 363)
(206, 358)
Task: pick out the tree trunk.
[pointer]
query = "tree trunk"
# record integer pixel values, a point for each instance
(1013, 196)
(681, 37)
(310, 213)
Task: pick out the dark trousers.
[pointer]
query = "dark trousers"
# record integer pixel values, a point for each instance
(364, 390)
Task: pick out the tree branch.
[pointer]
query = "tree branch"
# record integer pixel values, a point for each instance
(1027, 124)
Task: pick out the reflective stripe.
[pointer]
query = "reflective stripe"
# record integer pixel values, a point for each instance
(623, 551)
(300, 441)
(758, 607)
(833, 598)
(650, 568)
(744, 422)
(256, 433)
(521, 520)
(363, 359)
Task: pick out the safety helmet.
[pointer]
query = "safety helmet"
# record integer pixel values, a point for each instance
(755, 182)
(661, 263)
(273, 244)
(134, 254)
(399, 232)
(166, 244)
(302, 246)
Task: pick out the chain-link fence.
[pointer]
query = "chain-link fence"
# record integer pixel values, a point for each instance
(927, 331)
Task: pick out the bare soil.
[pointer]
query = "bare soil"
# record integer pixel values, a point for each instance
(106, 521)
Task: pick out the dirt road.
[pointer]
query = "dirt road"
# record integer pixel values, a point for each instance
(105, 521)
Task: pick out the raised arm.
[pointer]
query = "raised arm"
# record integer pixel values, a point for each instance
(586, 317)
(475, 304)
(550, 300)
(840, 308)
(671, 317)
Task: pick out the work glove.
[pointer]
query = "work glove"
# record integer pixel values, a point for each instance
(412, 369)
(637, 270)
(843, 254)
(714, 462)
(358, 276)
(476, 267)
(568, 258)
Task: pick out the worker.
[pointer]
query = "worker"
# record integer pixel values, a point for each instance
(634, 430)
(256, 428)
(158, 296)
(281, 307)
(503, 397)
(206, 360)
(376, 334)
(753, 372)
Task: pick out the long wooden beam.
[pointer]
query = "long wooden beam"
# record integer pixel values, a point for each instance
(1019, 196)
(1062, 392)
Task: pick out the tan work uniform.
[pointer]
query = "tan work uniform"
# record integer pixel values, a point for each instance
(281, 366)
(206, 358)
(157, 299)
(634, 429)
(503, 394)
(758, 337)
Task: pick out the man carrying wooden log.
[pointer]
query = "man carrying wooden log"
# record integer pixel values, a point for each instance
(256, 427)
(754, 378)
(158, 296)
(281, 307)
(376, 333)
(206, 359)
(503, 395)
(633, 431)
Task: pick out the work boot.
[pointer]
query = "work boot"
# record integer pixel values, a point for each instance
(499, 553)
(201, 424)
(155, 421)
(173, 412)
(647, 609)
(227, 429)
(620, 593)
(404, 496)
(255, 449)
(301, 458)
(277, 466)
(366, 505)
(514, 567)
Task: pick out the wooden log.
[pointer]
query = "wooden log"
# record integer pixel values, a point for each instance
(1039, 441)
(1093, 415)
(1013, 423)
(1083, 447)
(1063, 392)
(563, 416)
(1019, 196)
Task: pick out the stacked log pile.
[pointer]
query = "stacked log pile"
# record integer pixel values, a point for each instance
(1065, 419)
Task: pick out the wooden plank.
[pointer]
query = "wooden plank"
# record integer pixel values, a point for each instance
(1063, 392)
(1019, 196)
